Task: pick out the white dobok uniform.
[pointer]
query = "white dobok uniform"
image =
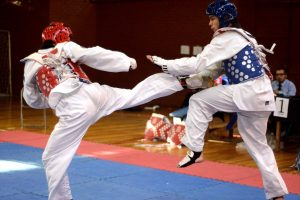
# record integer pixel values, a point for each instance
(78, 104)
(250, 95)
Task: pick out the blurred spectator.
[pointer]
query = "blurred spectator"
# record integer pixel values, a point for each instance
(282, 86)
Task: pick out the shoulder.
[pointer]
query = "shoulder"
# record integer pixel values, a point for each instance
(228, 34)
(234, 33)
(290, 82)
(229, 38)
(37, 57)
(229, 31)
(70, 43)
(70, 46)
(28, 57)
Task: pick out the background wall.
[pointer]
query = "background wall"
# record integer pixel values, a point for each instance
(140, 27)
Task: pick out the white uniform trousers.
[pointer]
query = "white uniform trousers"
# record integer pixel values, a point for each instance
(252, 127)
(79, 110)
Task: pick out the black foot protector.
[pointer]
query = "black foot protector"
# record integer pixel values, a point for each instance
(277, 198)
(190, 158)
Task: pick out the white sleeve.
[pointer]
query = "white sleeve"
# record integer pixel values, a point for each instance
(31, 93)
(222, 47)
(98, 57)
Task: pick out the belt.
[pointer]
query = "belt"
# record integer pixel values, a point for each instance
(84, 80)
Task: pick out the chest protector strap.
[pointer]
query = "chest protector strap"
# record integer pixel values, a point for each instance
(57, 69)
(259, 49)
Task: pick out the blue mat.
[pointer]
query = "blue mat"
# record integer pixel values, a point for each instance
(95, 179)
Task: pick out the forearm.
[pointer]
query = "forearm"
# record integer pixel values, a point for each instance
(98, 58)
(181, 66)
(220, 48)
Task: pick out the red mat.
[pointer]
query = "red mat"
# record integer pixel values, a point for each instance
(207, 169)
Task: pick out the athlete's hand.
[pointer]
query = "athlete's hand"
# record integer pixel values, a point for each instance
(149, 57)
(158, 61)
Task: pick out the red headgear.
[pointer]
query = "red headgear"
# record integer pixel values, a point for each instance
(56, 32)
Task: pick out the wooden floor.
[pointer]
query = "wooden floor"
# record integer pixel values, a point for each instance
(126, 128)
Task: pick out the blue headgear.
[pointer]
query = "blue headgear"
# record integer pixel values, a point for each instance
(224, 10)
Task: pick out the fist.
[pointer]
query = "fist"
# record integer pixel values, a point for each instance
(149, 57)
(133, 64)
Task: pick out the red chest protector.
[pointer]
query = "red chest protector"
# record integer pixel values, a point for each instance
(56, 70)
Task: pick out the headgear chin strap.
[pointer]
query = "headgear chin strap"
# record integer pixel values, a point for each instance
(224, 10)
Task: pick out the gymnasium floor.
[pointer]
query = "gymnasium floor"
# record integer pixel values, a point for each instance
(109, 172)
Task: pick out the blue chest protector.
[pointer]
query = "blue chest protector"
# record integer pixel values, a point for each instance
(245, 65)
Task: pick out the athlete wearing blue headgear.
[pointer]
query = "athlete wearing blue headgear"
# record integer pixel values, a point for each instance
(224, 10)
(250, 94)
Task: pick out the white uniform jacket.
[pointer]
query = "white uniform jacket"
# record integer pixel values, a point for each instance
(111, 61)
(251, 95)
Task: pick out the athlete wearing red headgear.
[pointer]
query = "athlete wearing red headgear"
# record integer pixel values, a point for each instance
(57, 32)
(53, 78)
